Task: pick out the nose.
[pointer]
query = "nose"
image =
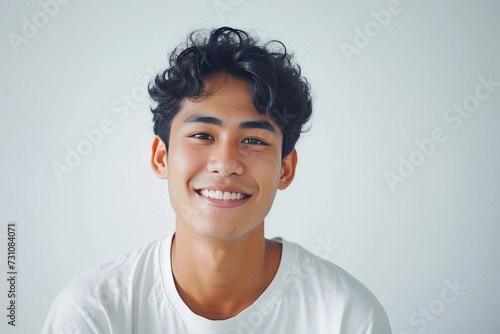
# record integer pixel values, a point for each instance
(225, 159)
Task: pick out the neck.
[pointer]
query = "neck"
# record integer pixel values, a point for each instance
(219, 279)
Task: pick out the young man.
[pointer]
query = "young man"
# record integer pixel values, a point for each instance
(227, 116)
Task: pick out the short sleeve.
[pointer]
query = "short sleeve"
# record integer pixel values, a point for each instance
(75, 311)
(365, 315)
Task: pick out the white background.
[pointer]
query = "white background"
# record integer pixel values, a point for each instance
(441, 223)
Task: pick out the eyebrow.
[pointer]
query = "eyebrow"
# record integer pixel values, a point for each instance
(203, 119)
(254, 124)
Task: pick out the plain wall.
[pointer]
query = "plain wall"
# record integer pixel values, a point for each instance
(379, 89)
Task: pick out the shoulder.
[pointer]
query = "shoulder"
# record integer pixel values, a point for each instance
(320, 270)
(115, 274)
(328, 286)
(87, 299)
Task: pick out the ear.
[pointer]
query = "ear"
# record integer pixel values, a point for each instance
(159, 158)
(288, 170)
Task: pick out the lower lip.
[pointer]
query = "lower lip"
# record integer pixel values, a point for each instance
(223, 203)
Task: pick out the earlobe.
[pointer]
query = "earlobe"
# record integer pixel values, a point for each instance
(159, 158)
(288, 170)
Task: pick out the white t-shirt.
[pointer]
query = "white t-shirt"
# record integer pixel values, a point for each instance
(136, 293)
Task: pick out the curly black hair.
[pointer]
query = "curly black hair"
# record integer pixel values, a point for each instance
(275, 82)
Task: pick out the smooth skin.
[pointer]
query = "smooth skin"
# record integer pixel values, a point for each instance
(221, 261)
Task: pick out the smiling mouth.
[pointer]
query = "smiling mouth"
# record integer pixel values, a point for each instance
(222, 195)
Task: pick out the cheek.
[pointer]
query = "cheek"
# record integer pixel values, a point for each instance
(183, 165)
(267, 168)
(184, 161)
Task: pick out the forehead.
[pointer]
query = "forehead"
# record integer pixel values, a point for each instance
(225, 97)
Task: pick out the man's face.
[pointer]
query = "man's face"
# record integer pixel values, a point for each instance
(224, 162)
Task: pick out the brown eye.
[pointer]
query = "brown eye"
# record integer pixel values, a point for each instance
(203, 136)
(253, 141)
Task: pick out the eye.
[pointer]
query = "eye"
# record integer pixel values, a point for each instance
(202, 136)
(253, 141)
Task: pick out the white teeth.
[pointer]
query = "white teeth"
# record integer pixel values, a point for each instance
(217, 194)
